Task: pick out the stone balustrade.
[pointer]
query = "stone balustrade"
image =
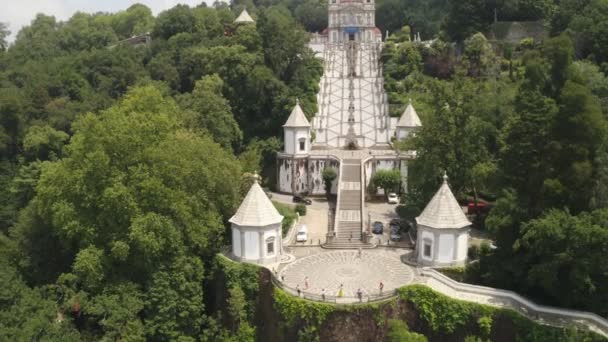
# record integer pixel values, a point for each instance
(509, 299)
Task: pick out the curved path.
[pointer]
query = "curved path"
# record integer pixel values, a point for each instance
(330, 269)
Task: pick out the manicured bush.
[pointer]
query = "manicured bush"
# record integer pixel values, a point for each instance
(301, 209)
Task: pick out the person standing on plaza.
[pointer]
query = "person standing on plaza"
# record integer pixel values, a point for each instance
(360, 295)
(341, 291)
(299, 291)
(323, 294)
(381, 287)
(305, 283)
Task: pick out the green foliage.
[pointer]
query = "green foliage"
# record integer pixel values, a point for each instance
(288, 213)
(560, 248)
(210, 112)
(388, 180)
(398, 331)
(408, 212)
(328, 175)
(294, 309)
(485, 325)
(301, 209)
(440, 312)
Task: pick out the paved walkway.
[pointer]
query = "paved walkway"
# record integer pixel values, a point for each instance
(327, 270)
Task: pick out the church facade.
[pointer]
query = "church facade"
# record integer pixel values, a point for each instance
(353, 121)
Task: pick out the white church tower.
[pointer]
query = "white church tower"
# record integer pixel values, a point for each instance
(408, 123)
(256, 229)
(443, 231)
(297, 132)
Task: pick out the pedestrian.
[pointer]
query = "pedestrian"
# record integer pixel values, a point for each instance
(341, 291)
(306, 283)
(381, 287)
(323, 294)
(299, 291)
(360, 295)
(360, 251)
(283, 277)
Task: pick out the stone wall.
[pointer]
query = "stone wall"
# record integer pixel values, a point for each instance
(304, 175)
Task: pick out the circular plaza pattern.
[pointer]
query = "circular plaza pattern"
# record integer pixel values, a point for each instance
(354, 271)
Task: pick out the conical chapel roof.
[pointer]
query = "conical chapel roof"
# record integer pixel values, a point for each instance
(443, 211)
(297, 118)
(244, 17)
(409, 118)
(256, 210)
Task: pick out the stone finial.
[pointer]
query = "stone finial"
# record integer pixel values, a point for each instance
(445, 176)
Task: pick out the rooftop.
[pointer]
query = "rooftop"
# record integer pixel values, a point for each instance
(244, 17)
(443, 211)
(297, 118)
(256, 210)
(409, 118)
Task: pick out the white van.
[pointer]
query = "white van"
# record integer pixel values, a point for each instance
(302, 235)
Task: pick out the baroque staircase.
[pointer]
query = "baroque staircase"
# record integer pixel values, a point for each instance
(348, 231)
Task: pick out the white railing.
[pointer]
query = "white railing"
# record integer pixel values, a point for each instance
(528, 308)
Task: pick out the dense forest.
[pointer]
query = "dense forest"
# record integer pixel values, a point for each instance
(524, 127)
(121, 165)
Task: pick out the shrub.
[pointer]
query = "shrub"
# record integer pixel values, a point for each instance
(399, 331)
(288, 213)
(301, 209)
(473, 252)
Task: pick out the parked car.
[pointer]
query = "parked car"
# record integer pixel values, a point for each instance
(301, 199)
(482, 208)
(378, 227)
(395, 234)
(302, 235)
(393, 198)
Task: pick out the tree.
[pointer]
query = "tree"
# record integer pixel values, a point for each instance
(580, 132)
(283, 41)
(465, 18)
(312, 14)
(210, 111)
(179, 19)
(388, 180)
(523, 160)
(136, 20)
(588, 20)
(133, 201)
(478, 54)
(559, 251)
(329, 175)
(4, 33)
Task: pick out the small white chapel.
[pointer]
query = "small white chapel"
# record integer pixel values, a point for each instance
(256, 229)
(443, 231)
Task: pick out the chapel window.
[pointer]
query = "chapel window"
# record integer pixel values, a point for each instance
(270, 246)
(427, 249)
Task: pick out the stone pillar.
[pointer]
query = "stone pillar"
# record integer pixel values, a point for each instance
(261, 242)
(242, 244)
(456, 248)
(280, 240)
(436, 248)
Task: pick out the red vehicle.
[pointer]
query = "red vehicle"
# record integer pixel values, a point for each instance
(481, 208)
